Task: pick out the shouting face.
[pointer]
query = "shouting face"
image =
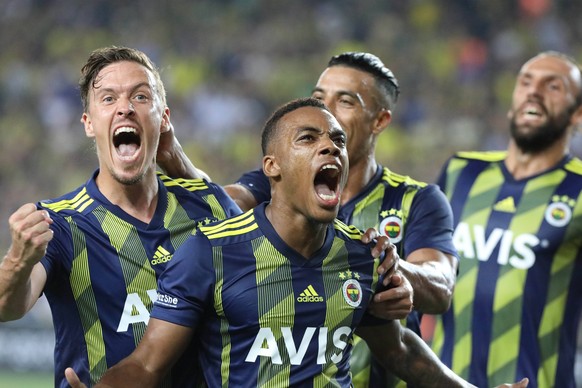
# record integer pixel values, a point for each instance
(124, 116)
(308, 163)
(544, 100)
(352, 96)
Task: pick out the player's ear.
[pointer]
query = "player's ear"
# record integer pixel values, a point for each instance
(86, 120)
(166, 125)
(383, 119)
(509, 115)
(576, 118)
(271, 167)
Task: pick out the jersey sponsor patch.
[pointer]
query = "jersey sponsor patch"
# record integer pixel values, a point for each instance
(330, 343)
(167, 300)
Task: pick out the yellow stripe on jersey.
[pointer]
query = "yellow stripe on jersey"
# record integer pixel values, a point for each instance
(233, 226)
(395, 180)
(562, 271)
(215, 206)
(188, 184)
(273, 304)
(575, 166)
(486, 156)
(454, 168)
(79, 202)
(406, 204)
(84, 295)
(349, 230)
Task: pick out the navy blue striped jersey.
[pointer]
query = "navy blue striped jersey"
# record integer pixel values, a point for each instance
(103, 264)
(413, 214)
(518, 296)
(265, 315)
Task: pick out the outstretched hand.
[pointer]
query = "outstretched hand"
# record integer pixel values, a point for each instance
(73, 379)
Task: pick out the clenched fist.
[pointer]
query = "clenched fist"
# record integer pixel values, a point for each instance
(31, 233)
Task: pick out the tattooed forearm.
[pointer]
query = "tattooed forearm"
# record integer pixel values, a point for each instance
(407, 356)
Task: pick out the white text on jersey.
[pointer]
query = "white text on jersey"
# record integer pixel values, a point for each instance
(473, 244)
(134, 301)
(296, 354)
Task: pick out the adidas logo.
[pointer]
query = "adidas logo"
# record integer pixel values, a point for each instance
(161, 256)
(309, 295)
(506, 205)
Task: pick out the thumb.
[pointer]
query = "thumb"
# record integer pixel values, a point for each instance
(73, 379)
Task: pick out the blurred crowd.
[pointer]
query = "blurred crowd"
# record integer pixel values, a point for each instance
(228, 64)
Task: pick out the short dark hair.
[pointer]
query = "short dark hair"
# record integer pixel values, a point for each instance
(369, 63)
(102, 57)
(270, 128)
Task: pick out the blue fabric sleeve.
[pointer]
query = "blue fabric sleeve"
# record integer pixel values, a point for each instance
(257, 183)
(59, 251)
(230, 207)
(186, 287)
(430, 222)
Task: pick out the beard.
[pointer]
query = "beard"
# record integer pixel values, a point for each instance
(127, 181)
(542, 137)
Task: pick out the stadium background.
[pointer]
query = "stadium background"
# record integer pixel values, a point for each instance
(227, 64)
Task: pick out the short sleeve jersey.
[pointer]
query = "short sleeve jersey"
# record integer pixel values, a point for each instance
(412, 214)
(518, 297)
(103, 264)
(265, 315)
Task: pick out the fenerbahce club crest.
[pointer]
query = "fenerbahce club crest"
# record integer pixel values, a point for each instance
(391, 225)
(559, 212)
(351, 289)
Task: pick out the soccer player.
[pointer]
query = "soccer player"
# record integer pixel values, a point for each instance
(362, 93)
(518, 216)
(274, 295)
(97, 251)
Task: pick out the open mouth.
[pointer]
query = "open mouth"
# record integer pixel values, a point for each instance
(327, 182)
(126, 141)
(533, 110)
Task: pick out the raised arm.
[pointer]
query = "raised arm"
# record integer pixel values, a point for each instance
(250, 189)
(241, 195)
(22, 277)
(159, 349)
